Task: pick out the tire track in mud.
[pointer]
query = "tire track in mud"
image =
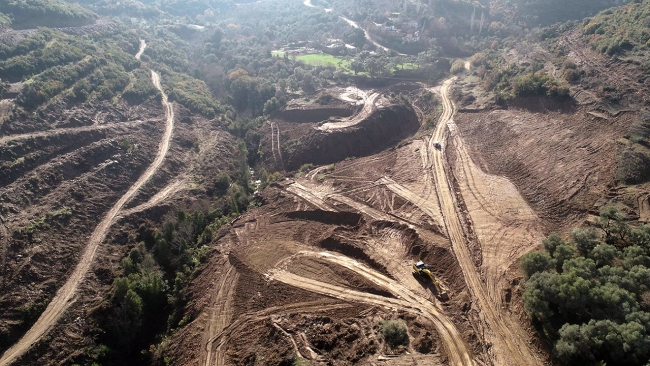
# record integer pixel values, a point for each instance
(309, 196)
(420, 202)
(224, 336)
(65, 295)
(506, 227)
(4, 241)
(405, 300)
(275, 158)
(275, 145)
(510, 341)
(317, 199)
(25, 136)
(219, 317)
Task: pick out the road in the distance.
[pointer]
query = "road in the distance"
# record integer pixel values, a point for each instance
(65, 296)
(356, 25)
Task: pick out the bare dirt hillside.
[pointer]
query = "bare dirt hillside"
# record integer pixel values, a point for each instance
(561, 155)
(70, 180)
(370, 183)
(323, 134)
(326, 234)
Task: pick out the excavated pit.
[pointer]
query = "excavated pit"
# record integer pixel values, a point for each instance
(382, 129)
(311, 114)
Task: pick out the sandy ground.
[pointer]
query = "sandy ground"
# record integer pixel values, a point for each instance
(408, 209)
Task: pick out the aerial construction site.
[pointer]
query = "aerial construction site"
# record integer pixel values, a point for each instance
(324, 182)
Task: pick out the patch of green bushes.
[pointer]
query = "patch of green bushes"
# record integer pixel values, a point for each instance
(539, 84)
(620, 30)
(141, 88)
(588, 296)
(192, 93)
(46, 13)
(394, 332)
(457, 67)
(148, 298)
(633, 158)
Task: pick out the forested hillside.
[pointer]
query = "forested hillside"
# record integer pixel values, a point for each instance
(45, 13)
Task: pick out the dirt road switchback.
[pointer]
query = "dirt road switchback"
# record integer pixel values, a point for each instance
(509, 340)
(65, 296)
(405, 300)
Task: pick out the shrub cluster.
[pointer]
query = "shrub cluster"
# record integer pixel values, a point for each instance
(590, 296)
(394, 332)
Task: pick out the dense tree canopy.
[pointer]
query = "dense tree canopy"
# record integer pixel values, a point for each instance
(590, 296)
(45, 13)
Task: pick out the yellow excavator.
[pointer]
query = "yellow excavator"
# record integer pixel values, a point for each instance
(422, 269)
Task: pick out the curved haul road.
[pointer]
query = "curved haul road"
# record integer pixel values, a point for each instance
(510, 346)
(65, 296)
(405, 300)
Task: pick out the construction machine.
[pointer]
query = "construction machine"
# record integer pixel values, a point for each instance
(424, 270)
(437, 145)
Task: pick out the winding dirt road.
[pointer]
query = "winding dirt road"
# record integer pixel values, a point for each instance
(65, 296)
(510, 346)
(355, 25)
(71, 130)
(143, 45)
(369, 106)
(163, 194)
(405, 299)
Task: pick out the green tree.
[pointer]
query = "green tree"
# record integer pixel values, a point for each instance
(585, 240)
(603, 254)
(614, 225)
(552, 242)
(394, 332)
(533, 262)
(356, 37)
(562, 253)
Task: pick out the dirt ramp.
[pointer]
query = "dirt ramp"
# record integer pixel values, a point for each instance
(380, 130)
(326, 217)
(352, 250)
(315, 114)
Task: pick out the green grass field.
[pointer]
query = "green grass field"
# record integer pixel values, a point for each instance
(324, 59)
(319, 59)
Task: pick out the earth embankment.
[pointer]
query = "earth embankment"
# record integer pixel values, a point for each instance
(383, 128)
(315, 114)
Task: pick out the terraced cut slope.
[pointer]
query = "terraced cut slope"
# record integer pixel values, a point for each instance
(65, 295)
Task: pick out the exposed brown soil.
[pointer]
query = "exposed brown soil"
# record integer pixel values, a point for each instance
(382, 129)
(313, 272)
(61, 174)
(316, 112)
(264, 239)
(569, 158)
